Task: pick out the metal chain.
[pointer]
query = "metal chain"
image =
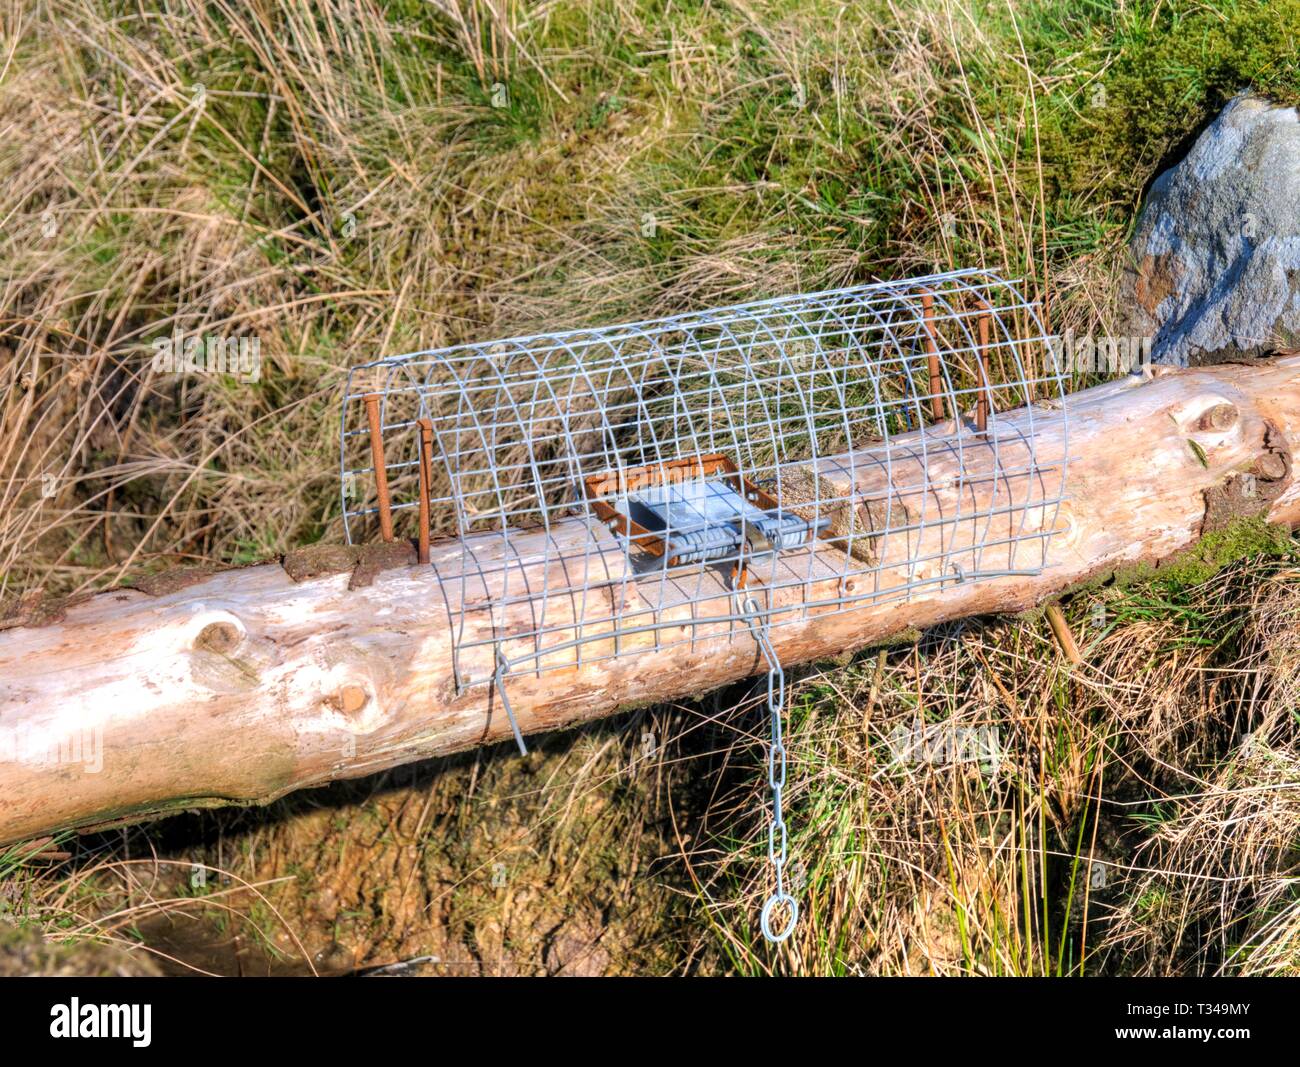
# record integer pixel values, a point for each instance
(777, 839)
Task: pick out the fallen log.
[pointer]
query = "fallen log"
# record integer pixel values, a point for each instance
(239, 686)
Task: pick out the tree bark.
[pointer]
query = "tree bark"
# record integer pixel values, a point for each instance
(241, 685)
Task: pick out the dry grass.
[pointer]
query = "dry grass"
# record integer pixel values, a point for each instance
(1214, 887)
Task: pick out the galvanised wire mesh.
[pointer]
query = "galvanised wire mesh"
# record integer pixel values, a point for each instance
(599, 493)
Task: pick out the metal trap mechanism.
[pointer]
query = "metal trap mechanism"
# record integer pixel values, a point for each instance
(720, 475)
(697, 510)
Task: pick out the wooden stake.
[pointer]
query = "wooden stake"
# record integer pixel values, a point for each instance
(426, 471)
(1064, 635)
(932, 356)
(381, 468)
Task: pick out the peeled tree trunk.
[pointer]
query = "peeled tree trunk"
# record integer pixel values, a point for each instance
(239, 686)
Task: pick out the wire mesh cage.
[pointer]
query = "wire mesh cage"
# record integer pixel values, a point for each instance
(596, 494)
(619, 486)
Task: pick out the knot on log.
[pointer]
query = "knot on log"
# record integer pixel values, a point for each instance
(1250, 493)
(220, 637)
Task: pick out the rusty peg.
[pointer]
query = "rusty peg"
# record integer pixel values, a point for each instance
(982, 401)
(932, 357)
(381, 468)
(426, 478)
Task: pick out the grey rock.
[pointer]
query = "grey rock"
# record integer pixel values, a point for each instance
(1215, 271)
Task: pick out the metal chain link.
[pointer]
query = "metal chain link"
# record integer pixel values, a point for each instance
(778, 850)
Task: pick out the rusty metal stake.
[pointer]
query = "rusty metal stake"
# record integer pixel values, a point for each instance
(426, 471)
(932, 357)
(381, 468)
(982, 402)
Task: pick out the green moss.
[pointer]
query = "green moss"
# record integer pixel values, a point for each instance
(1242, 539)
(1174, 591)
